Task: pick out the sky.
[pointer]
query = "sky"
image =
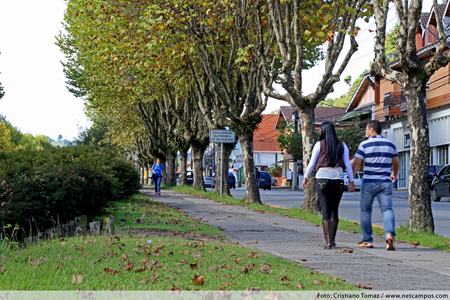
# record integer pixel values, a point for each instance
(37, 100)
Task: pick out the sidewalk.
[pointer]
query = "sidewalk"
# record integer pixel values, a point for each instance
(406, 268)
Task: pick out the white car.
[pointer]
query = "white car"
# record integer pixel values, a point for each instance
(358, 180)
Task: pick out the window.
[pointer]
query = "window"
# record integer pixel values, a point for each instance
(442, 155)
(444, 171)
(431, 156)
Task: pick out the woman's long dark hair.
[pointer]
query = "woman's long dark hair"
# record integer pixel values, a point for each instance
(334, 152)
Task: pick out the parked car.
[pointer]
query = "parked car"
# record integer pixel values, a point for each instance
(273, 180)
(189, 175)
(433, 170)
(264, 180)
(440, 187)
(358, 180)
(207, 181)
(231, 181)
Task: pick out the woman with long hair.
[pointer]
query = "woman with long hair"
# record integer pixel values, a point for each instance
(330, 157)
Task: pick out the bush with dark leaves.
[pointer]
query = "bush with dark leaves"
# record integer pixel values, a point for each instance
(39, 189)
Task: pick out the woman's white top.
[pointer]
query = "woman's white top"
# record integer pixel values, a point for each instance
(329, 172)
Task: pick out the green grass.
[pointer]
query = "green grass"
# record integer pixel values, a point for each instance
(131, 262)
(153, 215)
(119, 262)
(404, 234)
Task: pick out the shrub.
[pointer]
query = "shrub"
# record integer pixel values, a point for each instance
(59, 184)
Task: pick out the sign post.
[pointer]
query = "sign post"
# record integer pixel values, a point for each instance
(221, 136)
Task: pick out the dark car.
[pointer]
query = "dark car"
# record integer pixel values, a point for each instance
(231, 181)
(440, 187)
(264, 180)
(207, 181)
(433, 170)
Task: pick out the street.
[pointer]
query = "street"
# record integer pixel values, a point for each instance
(349, 207)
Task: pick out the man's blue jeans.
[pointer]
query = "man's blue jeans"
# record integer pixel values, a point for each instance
(383, 192)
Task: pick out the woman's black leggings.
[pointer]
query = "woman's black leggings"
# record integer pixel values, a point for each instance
(330, 194)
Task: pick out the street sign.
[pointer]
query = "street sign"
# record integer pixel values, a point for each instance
(221, 136)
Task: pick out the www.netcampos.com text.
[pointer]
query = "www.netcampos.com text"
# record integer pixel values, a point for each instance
(381, 295)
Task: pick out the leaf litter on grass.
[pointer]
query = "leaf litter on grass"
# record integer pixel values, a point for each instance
(143, 260)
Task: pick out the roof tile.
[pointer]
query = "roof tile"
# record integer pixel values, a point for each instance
(265, 135)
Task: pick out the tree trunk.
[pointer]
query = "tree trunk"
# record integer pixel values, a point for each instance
(183, 172)
(227, 148)
(142, 175)
(251, 184)
(170, 169)
(198, 167)
(311, 200)
(420, 214)
(147, 168)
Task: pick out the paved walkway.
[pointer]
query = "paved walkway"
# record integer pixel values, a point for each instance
(406, 268)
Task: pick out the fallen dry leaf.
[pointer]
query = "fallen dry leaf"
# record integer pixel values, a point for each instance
(317, 225)
(245, 270)
(174, 288)
(283, 277)
(252, 254)
(199, 280)
(447, 242)
(237, 260)
(266, 268)
(361, 286)
(314, 236)
(77, 279)
(303, 259)
(391, 265)
(129, 265)
(416, 243)
(299, 285)
(317, 282)
(124, 257)
(254, 242)
(193, 266)
(38, 261)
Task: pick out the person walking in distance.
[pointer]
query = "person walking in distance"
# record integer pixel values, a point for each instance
(380, 157)
(158, 168)
(330, 157)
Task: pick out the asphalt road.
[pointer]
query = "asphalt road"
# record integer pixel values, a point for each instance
(349, 207)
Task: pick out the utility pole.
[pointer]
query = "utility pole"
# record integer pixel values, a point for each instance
(294, 156)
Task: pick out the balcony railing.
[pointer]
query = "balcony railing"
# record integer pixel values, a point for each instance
(393, 98)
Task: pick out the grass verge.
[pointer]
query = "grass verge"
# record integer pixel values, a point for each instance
(137, 259)
(404, 234)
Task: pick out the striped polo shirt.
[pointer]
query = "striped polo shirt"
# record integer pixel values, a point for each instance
(377, 153)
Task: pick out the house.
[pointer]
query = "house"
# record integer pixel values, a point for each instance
(361, 105)
(266, 150)
(389, 104)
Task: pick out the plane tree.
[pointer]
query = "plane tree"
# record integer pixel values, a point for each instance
(300, 27)
(412, 75)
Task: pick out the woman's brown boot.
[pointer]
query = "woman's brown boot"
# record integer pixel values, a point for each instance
(327, 233)
(334, 225)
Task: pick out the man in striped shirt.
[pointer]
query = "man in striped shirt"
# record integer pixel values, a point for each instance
(380, 170)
